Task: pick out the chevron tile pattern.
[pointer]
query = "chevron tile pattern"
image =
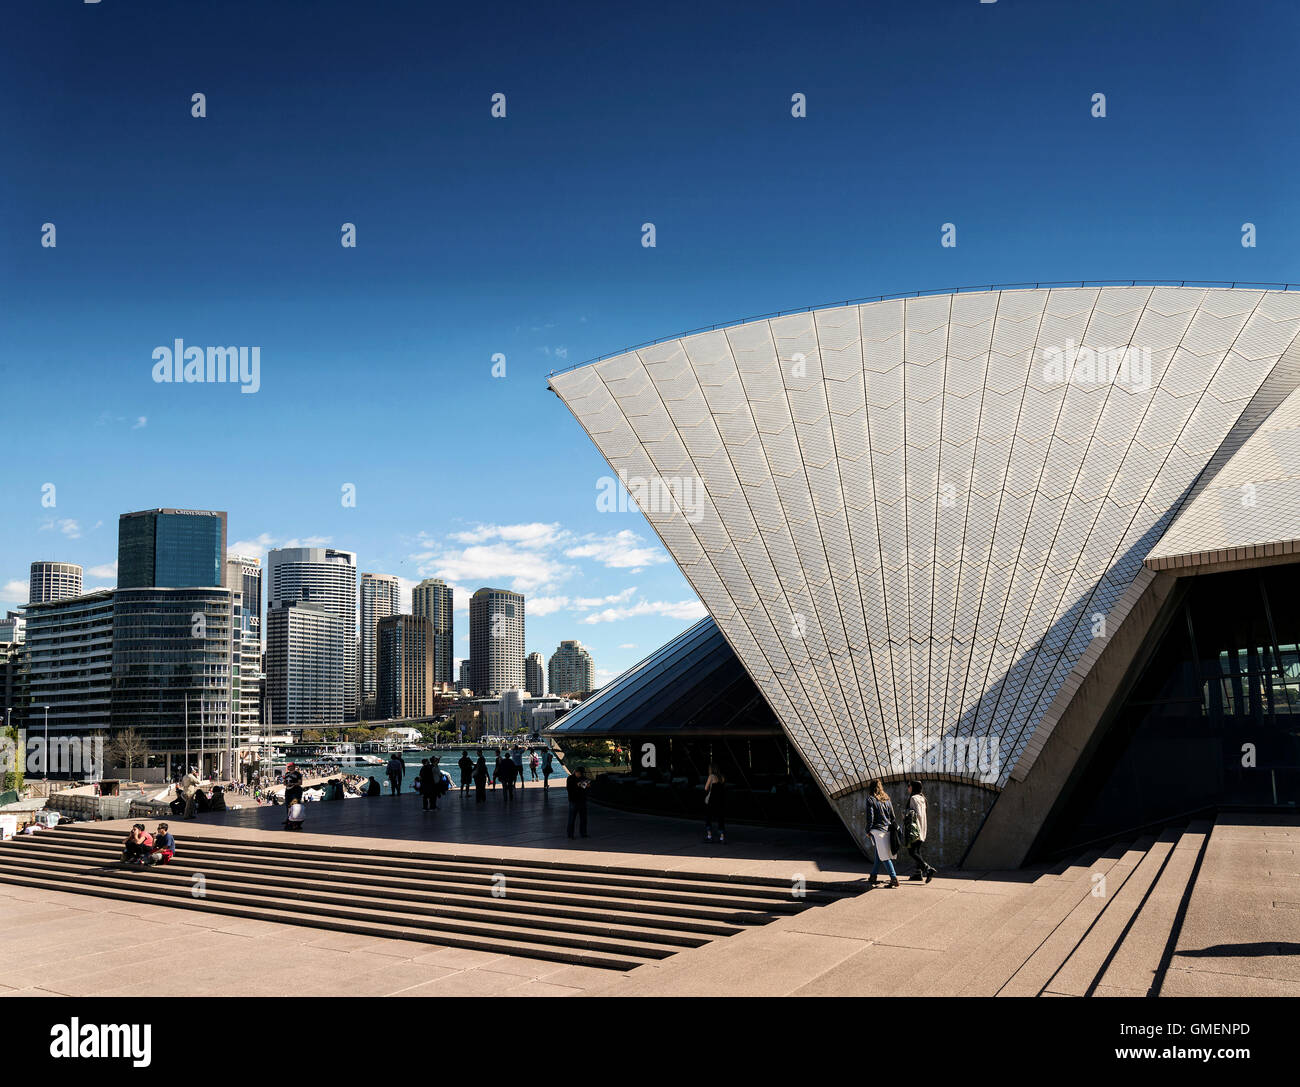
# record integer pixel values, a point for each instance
(911, 518)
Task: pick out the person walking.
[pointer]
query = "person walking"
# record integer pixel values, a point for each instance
(430, 782)
(577, 787)
(496, 768)
(466, 765)
(546, 767)
(715, 804)
(480, 778)
(533, 763)
(880, 819)
(395, 768)
(915, 833)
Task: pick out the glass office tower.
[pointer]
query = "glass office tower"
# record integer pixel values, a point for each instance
(169, 548)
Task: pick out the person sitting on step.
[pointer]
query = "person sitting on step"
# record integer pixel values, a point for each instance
(164, 846)
(138, 845)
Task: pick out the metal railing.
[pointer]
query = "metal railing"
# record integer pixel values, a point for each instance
(983, 288)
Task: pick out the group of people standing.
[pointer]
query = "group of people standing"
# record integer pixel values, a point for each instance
(509, 769)
(888, 838)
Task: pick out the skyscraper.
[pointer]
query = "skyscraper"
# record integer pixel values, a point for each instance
(432, 598)
(244, 575)
(307, 657)
(572, 670)
(53, 581)
(177, 638)
(326, 577)
(405, 663)
(174, 549)
(380, 597)
(535, 675)
(496, 640)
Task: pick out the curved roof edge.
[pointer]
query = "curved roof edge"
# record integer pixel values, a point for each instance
(1211, 284)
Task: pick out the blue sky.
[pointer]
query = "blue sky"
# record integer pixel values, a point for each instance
(522, 236)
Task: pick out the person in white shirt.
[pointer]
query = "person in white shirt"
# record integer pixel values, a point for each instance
(915, 831)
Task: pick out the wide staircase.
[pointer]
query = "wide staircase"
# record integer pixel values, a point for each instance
(1105, 924)
(616, 919)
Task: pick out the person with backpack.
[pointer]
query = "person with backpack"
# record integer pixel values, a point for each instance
(430, 783)
(533, 763)
(546, 767)
(466, 765)
(915, 833)
(883, 829)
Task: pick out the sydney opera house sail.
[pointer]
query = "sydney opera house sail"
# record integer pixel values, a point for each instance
(919, 522)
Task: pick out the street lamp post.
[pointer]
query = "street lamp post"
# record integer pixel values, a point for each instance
(47, 748)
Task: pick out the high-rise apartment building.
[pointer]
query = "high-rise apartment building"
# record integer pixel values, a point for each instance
(321, 576)
(432, 598)
(572, 670)
(380, 597)
(176, 673)
(535, 675)
(307, 662)
(70, 664)
(496, 641)
(178, 639)
(244, 575)
(53, 581)
(405, 665)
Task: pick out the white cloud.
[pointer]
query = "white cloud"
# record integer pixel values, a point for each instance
(70, 528)
(586, 603)
(546, 605)
(141, 422)
(104, 569)
(619, 551)
(533, 534)
(682, 609)
(15, 592)
(628, 645)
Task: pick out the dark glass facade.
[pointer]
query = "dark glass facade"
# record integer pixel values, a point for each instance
(172, 549)
(686, 705)
(174, 662)
(1212, 720)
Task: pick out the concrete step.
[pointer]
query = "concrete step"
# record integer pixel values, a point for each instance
(479, 940)
(584, 914)
(692, 887)
(727, 910)
(990, 966)
(1037, 970)
(1135, 967)
(471, 878)
(439, 931)
(308, 844)
(488, 910)
(1080, 972)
